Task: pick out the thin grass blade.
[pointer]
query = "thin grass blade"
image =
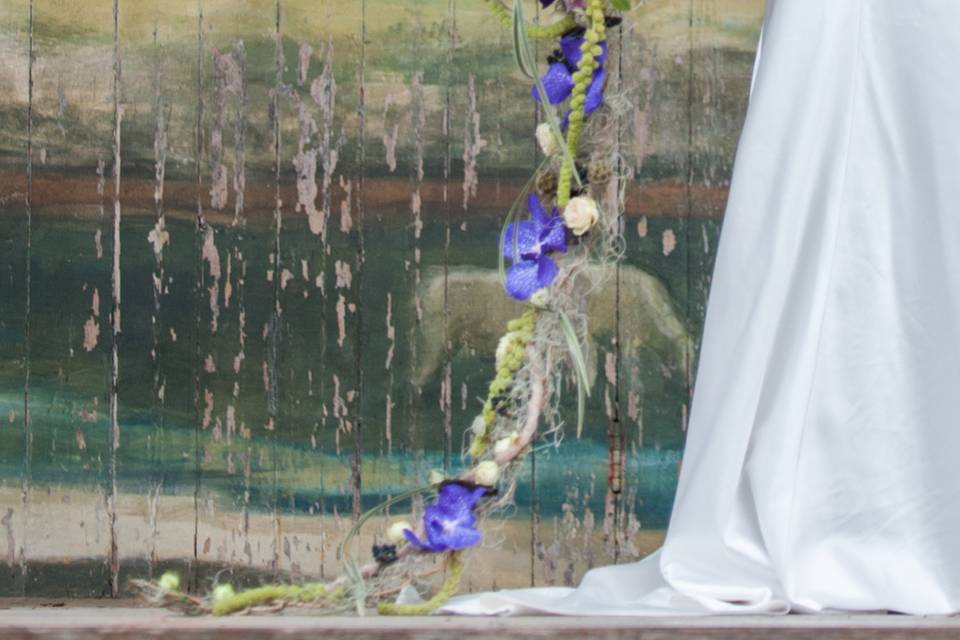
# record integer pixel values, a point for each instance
(576, 354)
(528, 65)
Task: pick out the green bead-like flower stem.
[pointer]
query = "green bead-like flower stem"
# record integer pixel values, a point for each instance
(582, 78)
(522, 330)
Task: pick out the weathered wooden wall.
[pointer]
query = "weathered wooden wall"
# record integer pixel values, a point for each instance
(245, 258)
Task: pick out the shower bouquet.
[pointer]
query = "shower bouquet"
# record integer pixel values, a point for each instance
(559, 241)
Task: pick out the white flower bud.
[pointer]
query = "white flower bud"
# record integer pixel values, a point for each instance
(487, 473)
(395, 532)
(170, 581)
(436, 476)
(222, 592)
(503, 347)
(546, 140)
(540, 298)
(580, 214)
(479, 427)
(503, 445)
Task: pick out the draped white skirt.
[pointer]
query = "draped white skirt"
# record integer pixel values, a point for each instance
(822, 465)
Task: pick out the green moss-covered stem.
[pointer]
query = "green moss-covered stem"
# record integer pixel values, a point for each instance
(276, 594)
(519, 332)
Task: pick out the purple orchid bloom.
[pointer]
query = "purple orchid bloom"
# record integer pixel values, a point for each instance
(558, 80)
(533, 240)
(449, 522)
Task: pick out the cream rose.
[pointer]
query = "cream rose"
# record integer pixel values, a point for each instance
(581, 214)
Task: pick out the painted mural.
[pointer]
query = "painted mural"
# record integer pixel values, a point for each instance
(247, 291)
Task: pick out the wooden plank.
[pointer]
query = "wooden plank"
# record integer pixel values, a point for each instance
(116, 622)
(15, 241)
(239, 253)
(74, 310)
(156, 517)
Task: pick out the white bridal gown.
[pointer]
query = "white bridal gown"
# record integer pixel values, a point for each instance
(821, 467)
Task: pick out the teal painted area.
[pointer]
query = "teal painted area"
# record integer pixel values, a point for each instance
(158, 439)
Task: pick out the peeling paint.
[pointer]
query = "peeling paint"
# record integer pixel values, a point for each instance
(323, 91)
(346, 220)
(391, 332)
(91, 329)
(303, 62)
(390, 136)
(473, 144)
(211, 256)
(669, 242)
(227, 79)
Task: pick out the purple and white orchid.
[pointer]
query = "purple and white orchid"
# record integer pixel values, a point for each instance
(449, 523)
(528, 244)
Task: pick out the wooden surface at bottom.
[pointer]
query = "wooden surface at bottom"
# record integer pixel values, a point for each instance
(99, 619)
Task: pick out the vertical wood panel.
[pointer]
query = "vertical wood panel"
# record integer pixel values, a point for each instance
(71, 340)
(14, 233)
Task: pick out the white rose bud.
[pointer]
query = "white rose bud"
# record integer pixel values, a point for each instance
(546, 140)
(487, 473)
(580, 214)
(503, 445)
(436, 476)
(395, 532)
(479, 427)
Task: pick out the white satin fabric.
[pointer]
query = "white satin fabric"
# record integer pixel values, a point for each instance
(821, 465)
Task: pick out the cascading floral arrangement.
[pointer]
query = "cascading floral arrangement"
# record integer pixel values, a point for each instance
(557, 256)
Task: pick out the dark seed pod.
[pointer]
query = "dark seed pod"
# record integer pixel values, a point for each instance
(546, 184)
(385, 553)
(599, 174)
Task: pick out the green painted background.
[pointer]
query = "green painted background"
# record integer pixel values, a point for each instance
(301, 199)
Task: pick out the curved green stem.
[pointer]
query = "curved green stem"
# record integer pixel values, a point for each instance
(447, 591)
(541, 32)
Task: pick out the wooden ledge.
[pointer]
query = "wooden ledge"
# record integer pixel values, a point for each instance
(98, 619)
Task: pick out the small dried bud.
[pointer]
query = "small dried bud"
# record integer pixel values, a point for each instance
(487, 473)
(599, 174)
(547, 184)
